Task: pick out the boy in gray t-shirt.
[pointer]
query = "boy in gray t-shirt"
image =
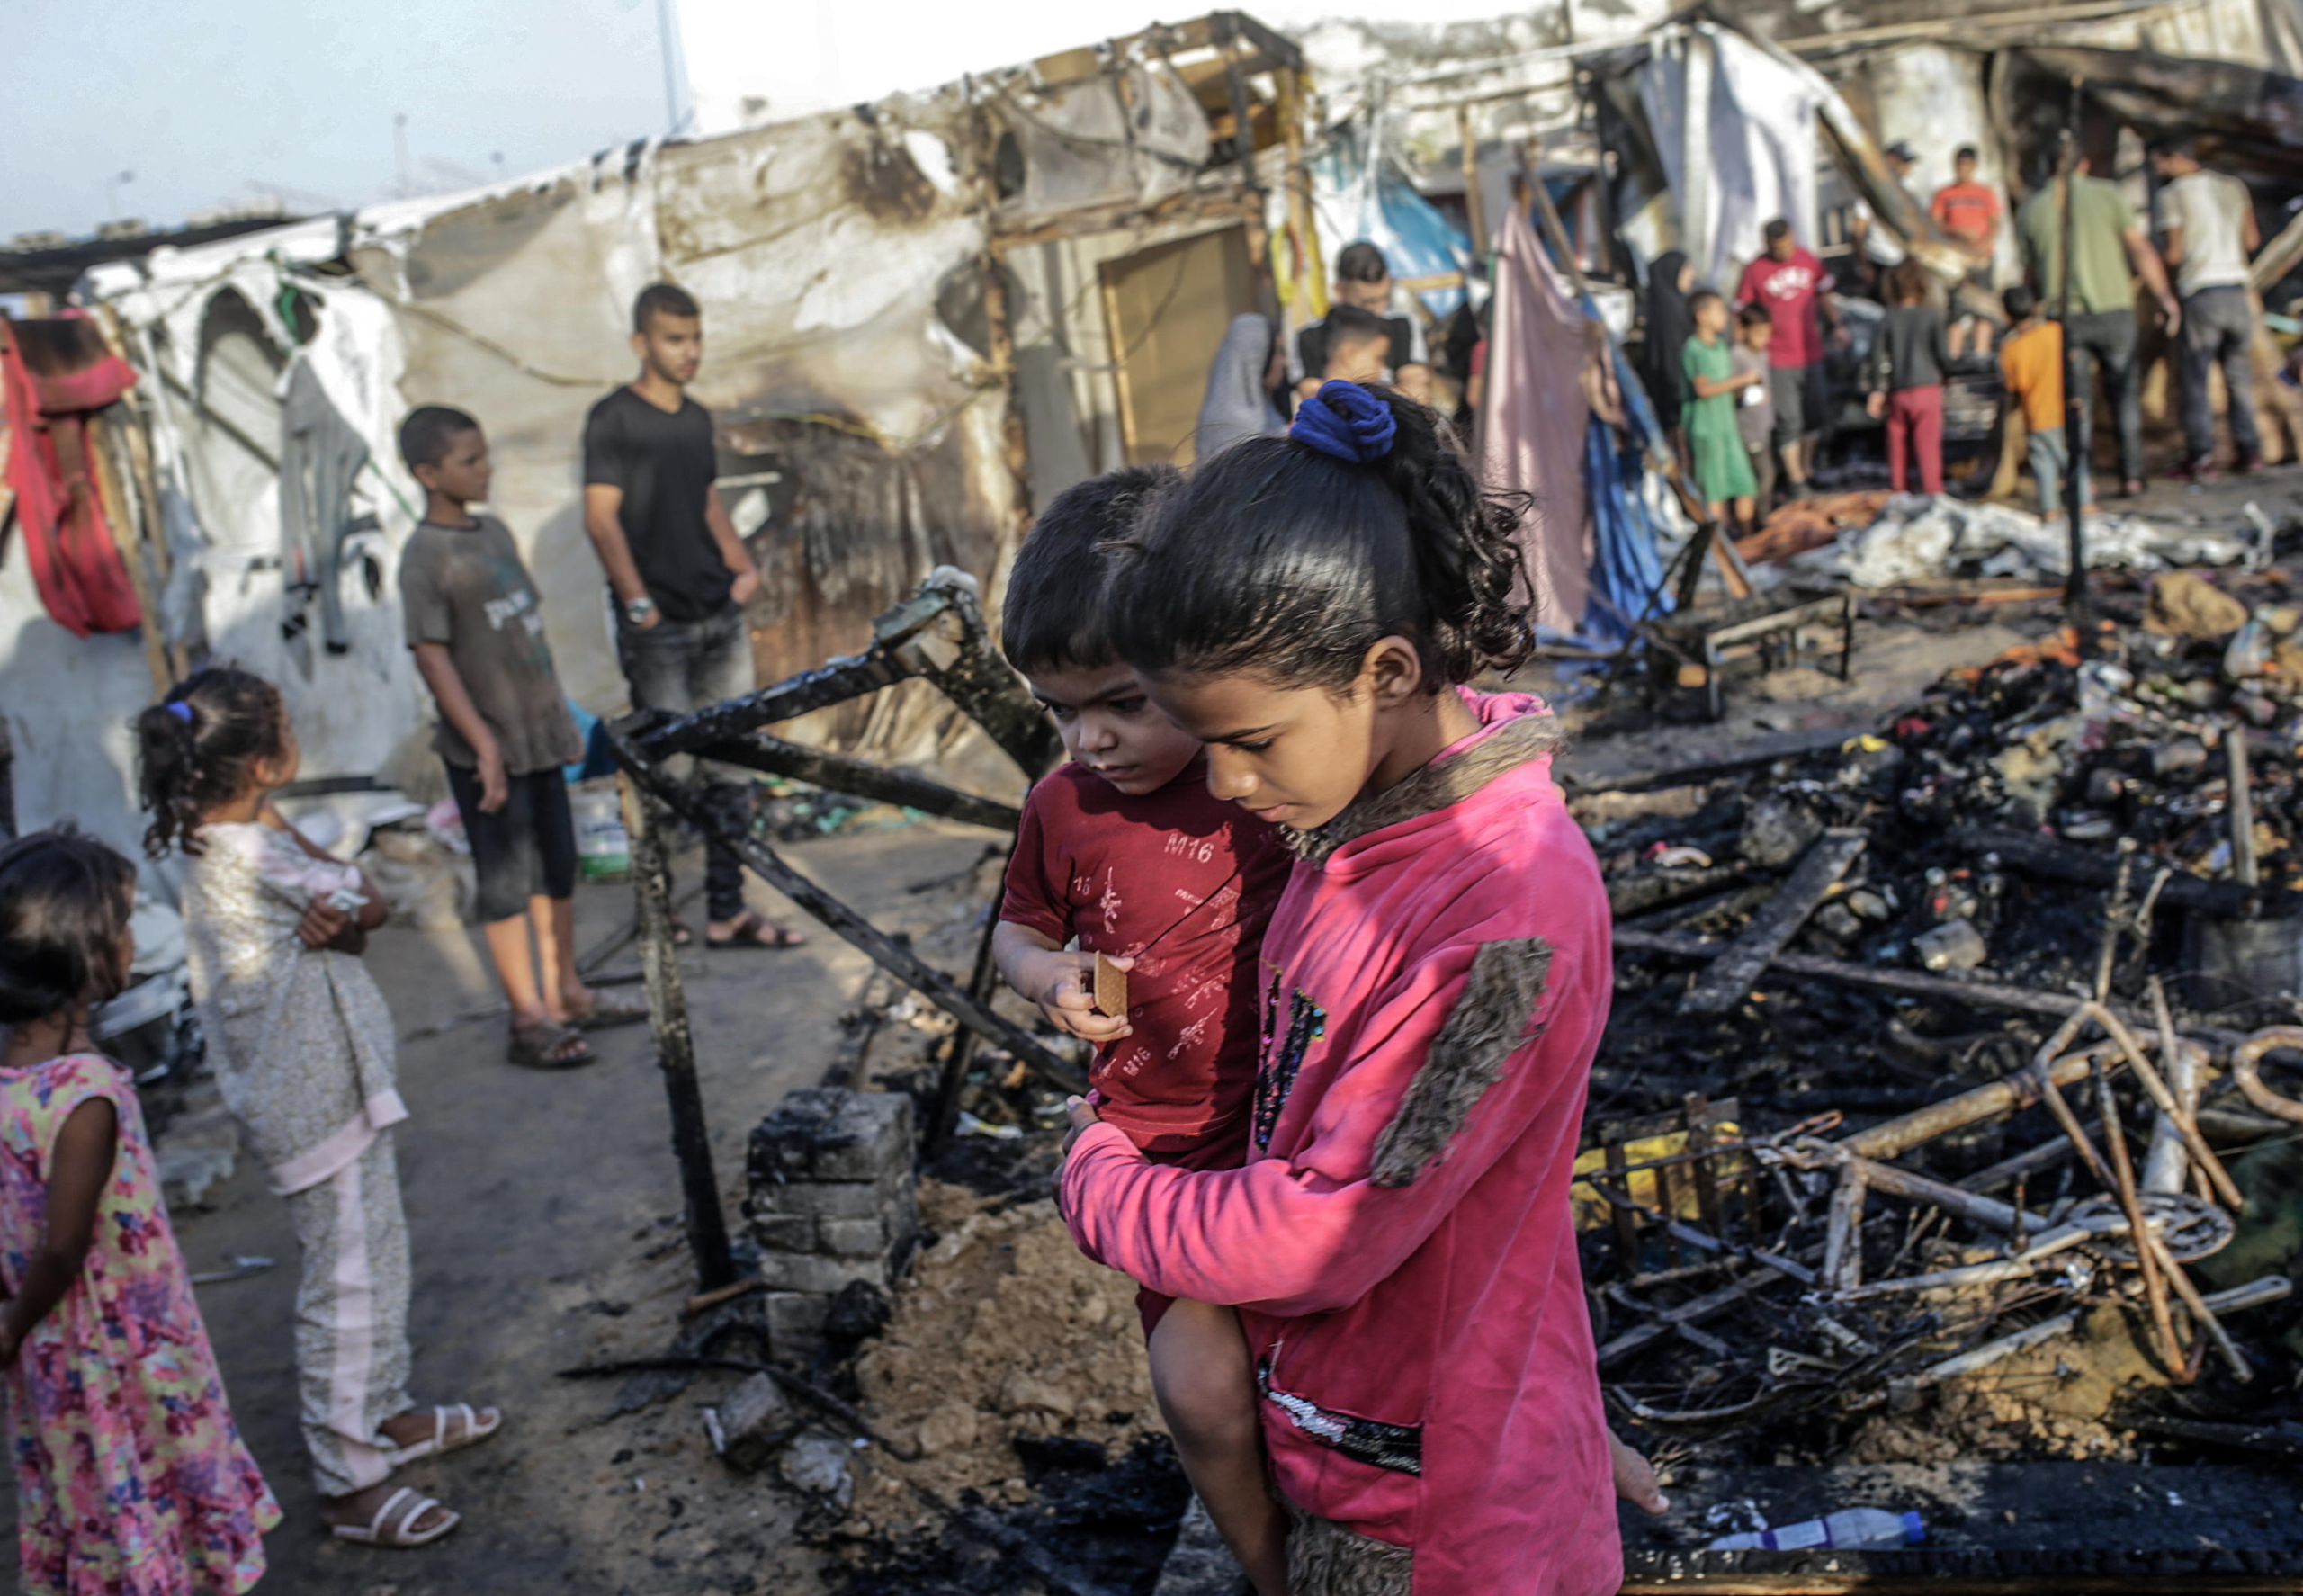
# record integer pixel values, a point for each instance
(1755, 406)
(505, 733)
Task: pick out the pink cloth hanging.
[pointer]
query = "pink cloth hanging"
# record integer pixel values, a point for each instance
(1532, 419)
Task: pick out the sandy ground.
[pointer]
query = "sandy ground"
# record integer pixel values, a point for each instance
(543, 1210)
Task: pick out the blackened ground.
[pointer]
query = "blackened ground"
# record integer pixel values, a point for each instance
(1091, 1528)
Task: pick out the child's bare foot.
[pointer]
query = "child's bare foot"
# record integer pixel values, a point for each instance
(389, 1515)
(1635, 1478)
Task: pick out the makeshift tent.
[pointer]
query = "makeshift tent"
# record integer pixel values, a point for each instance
(1360, 192)
(922, 316)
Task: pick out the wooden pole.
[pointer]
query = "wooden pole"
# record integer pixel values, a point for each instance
(1474, 202)
(121, 521)
(660, 963)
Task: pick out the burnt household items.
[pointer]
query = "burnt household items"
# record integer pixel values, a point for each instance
(1962, 1053)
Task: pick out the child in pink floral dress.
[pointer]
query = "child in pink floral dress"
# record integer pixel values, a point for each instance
(131, 1479)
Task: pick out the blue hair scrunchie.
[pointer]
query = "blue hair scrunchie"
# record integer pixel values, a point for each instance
(180, 710)
(1346, 421)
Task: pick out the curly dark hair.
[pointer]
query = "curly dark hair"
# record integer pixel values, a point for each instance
(64, 906)
(1277, 559)
(198, 749)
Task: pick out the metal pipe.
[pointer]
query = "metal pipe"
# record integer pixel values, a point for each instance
(2147, 1256)
(2166, 1157)
(2243, 811)
(1989, 1212)
(2247, 1065)
(890, 956)
(1990, 1352)
(2004, 1096)
(2164, 1099)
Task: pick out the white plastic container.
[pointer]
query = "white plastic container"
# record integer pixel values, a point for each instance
(1871, 1527)
(601, 848)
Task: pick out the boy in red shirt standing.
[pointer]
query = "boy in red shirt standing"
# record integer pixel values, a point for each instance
(1968, 211)
(1793, 285)
(1125, 852)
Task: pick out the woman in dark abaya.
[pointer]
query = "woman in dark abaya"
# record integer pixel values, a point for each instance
(1669, 325)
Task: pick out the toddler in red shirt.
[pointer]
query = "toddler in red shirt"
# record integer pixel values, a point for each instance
(1124, 852)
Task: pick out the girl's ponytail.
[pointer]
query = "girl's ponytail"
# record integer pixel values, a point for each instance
(198, 748)
(1291, 556)
(1466, 552)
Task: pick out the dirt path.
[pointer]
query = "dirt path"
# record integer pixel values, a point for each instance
(543, 1210)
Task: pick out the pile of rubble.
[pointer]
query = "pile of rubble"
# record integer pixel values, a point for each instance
(2032, 922)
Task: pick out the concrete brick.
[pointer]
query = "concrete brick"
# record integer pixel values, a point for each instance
(755, 1417)
(852, 1238)
(787, 1232)
(793, 1312)
(832, 1200)
(827, 1133)
(807, 1271)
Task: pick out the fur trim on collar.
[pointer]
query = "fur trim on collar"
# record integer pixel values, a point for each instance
(1436, 787)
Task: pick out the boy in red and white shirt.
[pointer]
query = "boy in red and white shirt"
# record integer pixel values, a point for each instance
(1124, 852)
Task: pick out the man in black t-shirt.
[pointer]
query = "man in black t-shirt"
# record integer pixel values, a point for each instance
(678, 573)
(1363, 280)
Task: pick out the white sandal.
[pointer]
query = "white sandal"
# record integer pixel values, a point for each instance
(398, 1535)
(441, 1442)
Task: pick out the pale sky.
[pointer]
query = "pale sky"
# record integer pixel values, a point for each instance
(209, 102)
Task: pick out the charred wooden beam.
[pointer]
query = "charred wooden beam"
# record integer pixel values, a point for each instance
(884, 950)
(2093, 867)
(837, 680)
(844, 773)
(651, 875)
(1724, 985)
(939, 635)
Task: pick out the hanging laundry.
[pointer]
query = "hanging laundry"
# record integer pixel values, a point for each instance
(56, 374)
(1532, 423)
(320, 455)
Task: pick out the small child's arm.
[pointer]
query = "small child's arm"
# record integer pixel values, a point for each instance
(1062, 983)
(81, 1164)
(332, 921)
(439, 673)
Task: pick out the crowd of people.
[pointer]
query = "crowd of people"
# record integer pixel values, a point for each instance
(1331, 1124)
(1360, 947)
(130, 1474)
(2195, 275)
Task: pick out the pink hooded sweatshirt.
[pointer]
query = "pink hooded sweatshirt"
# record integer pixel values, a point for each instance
(1400, 1243)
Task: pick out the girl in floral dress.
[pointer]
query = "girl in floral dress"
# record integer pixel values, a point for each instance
(130, 1476)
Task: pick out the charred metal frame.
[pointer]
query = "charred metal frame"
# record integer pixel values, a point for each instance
(937, 636)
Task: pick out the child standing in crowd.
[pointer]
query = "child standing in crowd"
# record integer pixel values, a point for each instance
(1755, 406)
(302, 1047)
(1903, 375)
(1716, 383)
(1435, 981)
(2031, 361)
(1124, 852)
(505, 733)
(130, 1476)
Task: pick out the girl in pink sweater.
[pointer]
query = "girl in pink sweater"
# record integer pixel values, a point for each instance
(1435, 981)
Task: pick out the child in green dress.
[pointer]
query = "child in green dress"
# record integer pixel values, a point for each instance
(1723, 471)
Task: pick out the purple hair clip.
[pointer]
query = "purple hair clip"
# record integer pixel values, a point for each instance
(180, 710)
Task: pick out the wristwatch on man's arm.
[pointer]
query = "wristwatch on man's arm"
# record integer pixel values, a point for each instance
(638, 610)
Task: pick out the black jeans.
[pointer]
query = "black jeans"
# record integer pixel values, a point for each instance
(2219, 327)
(2107, 337)
(685, 665)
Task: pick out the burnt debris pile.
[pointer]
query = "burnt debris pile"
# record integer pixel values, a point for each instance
(1943, 1111)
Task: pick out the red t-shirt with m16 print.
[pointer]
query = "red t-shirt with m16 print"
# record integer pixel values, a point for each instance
(1183, 883)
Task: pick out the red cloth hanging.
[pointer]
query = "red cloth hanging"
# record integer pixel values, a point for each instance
(55, 376)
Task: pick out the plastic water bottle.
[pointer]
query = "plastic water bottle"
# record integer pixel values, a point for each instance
(1846, 1529)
